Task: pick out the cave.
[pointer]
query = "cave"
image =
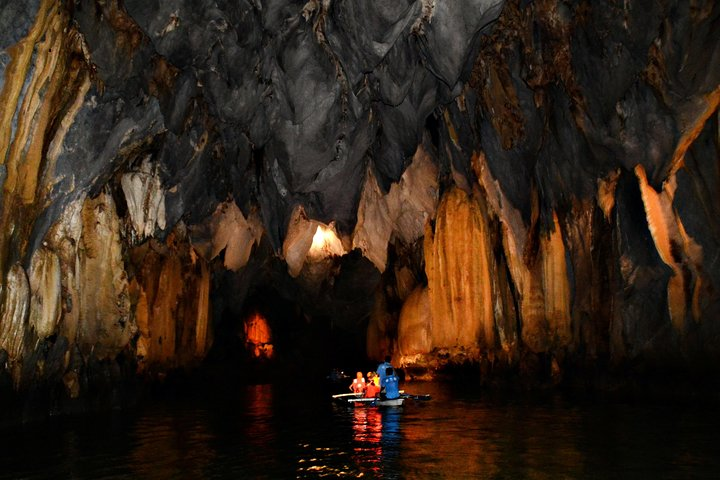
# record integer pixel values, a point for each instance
(517, 194)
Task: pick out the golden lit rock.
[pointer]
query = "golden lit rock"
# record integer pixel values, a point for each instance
(555, 285)
(325, 244)
(415, 335)
(309, 240)
(606, 192)
(676, 249)
(457, 264)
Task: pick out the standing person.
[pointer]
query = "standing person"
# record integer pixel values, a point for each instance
(358, 384)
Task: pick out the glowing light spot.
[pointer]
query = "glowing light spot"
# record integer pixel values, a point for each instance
(325, 243)
(258, 336)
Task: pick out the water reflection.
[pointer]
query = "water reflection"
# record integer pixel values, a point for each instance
(273, 432)
(376, 436)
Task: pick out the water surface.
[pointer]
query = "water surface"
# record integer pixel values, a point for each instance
(276, 431)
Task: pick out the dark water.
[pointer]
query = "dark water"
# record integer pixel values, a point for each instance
(271, 431)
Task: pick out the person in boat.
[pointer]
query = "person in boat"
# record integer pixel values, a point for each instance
(375, 379)
(358, 384)
(372, 388)
(389, 382)
(382, 369)
(391, 386)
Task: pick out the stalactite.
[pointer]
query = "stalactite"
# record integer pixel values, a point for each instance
(526, 278)
(105, 324)
(228, 230)
(401, 213)
(675, 247)
(457, 259)
(202, 318)
(374, 225)
(13, 321)
(171, 293)
(298, 241)
(45, 292)
(703, 110)
(145, 199)
(555, 286)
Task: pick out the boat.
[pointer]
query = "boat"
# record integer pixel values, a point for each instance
(359, 399)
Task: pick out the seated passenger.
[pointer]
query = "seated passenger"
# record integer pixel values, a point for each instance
(358, 384)
(371, 388)
(391, 386)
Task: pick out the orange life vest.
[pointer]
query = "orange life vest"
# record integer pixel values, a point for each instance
(358, 386)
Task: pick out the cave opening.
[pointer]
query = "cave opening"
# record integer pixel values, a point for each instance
(277, 332)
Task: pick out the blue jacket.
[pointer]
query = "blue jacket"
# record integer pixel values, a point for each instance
(392, 390)
(381, 372)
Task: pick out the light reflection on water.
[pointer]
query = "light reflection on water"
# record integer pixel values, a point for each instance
(284, 432)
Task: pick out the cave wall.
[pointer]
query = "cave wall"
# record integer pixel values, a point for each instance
(585, 120)
(508, 182)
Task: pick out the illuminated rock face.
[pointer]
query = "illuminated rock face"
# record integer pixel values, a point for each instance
(433, 183)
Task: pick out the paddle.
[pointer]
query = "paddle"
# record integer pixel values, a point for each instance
(351, 394)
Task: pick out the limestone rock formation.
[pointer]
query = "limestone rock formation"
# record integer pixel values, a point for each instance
(531, 186)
